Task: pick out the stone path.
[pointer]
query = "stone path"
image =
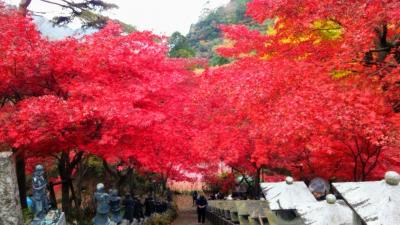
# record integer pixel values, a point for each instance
(187, 214)
(186, 217)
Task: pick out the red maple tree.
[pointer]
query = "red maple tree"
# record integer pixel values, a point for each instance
(97, 95)
(304, 90)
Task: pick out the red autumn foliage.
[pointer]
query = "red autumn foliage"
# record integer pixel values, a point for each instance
(316, 98)
(103, 94)
(282, 104)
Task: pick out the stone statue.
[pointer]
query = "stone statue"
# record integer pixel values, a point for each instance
(135, 222)
(41, 203)
(129, 205)
(39, 199)
(115, 206)
(102, 206)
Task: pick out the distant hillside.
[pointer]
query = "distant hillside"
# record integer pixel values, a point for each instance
(204, 35)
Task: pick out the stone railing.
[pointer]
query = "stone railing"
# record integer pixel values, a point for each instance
(291, 203)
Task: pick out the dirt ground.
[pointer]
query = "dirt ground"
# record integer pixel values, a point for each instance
(187, 212)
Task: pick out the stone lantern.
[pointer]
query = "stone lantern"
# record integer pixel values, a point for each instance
(373, 202)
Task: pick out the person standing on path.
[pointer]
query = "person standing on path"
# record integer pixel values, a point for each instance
(194, 196)
(201, 203)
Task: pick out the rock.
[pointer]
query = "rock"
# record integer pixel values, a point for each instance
(10, 210)
(61, 221)
(392, 178)
(331, 199)
(289, 180)
(124, 222)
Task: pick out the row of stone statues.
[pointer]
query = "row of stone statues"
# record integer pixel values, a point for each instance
(110, 204)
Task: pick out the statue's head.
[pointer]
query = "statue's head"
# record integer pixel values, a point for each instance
(100, 187)
(114, 192)
(39, 169)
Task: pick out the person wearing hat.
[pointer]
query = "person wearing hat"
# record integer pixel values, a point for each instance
(319, 188)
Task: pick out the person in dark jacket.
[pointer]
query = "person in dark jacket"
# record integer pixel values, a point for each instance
(194, 196)
(201, 204)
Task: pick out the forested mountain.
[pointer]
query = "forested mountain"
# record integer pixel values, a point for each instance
(205, 34)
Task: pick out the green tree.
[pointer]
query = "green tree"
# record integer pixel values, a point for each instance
(179, 46)
(217, 60)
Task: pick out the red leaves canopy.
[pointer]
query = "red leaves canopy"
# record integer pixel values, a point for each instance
(284, 93)
(311, 97)
(101, 94)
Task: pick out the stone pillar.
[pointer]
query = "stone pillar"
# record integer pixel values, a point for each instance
(10, 207)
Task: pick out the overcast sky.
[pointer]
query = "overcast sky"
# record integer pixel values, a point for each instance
(160, 16)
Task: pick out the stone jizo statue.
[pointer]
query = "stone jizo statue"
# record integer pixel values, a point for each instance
(135, 222)
(102, 206)
(39, 199)
(115, 202)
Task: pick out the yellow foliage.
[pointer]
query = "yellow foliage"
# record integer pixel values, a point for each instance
(271, 30)
(336, 74)
(198, 71)
(328, 29)
(295, 40)
(266, 56)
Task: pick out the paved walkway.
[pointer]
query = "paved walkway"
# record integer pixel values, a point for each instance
(187, 217)
(187, 214)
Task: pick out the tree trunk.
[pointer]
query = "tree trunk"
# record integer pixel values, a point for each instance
(21, 177)
(23, 6)
(63, 167)
(53, 200)
(131, 184)
(82, 170)
(257, 188)
(164, 187)
(73, 195)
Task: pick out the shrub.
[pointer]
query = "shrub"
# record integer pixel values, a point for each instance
(165, 218)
